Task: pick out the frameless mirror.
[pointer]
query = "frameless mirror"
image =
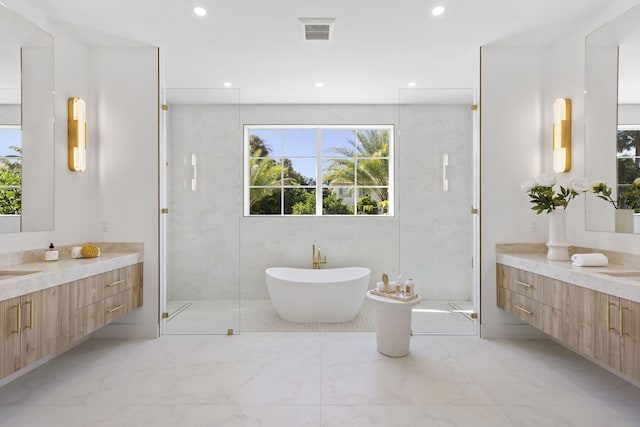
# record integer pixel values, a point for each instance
(612, 123)
(26, 125)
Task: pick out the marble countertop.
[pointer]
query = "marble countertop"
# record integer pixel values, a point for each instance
(594, 278)
(55, 273)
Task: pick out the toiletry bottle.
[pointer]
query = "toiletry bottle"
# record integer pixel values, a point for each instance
(51, 254)
(408, 287)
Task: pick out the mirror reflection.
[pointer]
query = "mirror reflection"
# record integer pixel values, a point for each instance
(612, 64)
(26, 125)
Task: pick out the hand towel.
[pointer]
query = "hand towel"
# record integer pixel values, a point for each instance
(589, 260)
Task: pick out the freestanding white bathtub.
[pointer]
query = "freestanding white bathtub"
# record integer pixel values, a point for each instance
(317, 296)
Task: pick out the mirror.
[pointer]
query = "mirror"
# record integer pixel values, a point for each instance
(612, 123)
(26, 125)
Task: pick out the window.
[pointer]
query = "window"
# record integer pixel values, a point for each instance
(10, 170)
(318, 170)
(628, 156)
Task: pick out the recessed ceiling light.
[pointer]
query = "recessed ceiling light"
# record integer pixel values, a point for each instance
(319, 84)
(437, 11)
(227, 84)
(200, 11)
(411, 84)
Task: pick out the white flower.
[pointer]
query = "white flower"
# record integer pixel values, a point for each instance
(546, 180)
(528, 185)
(578, 184)
(636, 182)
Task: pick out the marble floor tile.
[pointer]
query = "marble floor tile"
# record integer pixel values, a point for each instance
(318, 379)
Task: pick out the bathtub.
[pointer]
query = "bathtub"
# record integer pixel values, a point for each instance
(317, 296)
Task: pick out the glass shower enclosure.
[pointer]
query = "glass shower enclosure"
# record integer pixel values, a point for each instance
(201, 259)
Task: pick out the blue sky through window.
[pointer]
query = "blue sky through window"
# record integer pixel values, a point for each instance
(299, 145)
(8, 138)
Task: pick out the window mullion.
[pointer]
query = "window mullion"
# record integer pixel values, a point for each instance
(318, 171)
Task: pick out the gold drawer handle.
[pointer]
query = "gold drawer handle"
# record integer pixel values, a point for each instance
(526, 285)
(30, 325)
(114, 283)
(523, 310)
(622, 319)
(116, 308)
(18, 318)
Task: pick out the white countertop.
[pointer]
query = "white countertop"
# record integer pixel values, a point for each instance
(586, 277)
(55, 273)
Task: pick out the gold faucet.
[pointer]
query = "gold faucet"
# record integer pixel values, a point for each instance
(317, 260)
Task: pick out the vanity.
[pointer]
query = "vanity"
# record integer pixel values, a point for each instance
(47, 306)
(592, 310)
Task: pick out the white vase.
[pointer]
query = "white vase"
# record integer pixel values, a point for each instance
(624, 220)
(558, 248)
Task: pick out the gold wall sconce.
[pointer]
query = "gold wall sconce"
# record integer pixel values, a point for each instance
(562, 135)
(77, 134)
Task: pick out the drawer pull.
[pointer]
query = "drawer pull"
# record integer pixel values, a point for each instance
(523, 310)
(609, 315)
(622, 319)
(526, 285)
(30, 325)
(114, 283)
(116, 308)
(18, 319)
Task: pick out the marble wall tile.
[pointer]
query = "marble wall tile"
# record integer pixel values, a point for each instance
(213, 249)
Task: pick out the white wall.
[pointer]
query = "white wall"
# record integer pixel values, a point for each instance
(124, 94)
(512, 93)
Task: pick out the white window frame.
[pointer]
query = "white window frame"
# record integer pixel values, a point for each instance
(319, 167)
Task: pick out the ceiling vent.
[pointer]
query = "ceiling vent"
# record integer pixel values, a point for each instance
(317, 29)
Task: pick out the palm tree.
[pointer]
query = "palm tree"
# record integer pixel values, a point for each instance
(265, 175)
(371, 154)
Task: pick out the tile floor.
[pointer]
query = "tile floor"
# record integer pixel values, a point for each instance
(318, 379)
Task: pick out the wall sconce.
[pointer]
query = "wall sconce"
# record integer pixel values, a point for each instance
(562, 135)
(77, 134)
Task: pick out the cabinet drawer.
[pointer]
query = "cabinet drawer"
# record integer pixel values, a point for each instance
(116, 281)
(529, 310)
(118, 305)
(521, 282)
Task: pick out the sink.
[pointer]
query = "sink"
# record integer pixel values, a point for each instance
(11, 274)
(632, 275)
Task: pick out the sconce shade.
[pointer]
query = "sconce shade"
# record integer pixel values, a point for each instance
(562, 135)
(77, 134)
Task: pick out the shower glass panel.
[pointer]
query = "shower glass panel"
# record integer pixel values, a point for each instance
(203, 188)
(435, 181)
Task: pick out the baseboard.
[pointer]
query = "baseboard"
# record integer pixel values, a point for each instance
(128, 330)
(511, 331)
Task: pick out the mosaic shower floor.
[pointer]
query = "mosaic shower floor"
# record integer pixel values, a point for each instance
(218, 316)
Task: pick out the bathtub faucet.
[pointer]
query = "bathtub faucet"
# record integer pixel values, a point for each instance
(317, 260)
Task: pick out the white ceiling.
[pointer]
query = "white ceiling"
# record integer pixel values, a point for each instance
(378, 47)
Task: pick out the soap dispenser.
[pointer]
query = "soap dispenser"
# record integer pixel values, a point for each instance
(51, 254)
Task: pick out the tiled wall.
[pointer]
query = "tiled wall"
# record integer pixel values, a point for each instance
(213, 248)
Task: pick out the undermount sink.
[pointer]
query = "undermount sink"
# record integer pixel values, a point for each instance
(632, 275)
(10, 274)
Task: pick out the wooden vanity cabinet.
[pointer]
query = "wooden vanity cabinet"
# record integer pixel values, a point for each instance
(43, 322)
(535, 299)
(28, 330)
(596, 324)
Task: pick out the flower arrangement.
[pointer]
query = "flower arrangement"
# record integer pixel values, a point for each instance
(629, 199)
(544, 197)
